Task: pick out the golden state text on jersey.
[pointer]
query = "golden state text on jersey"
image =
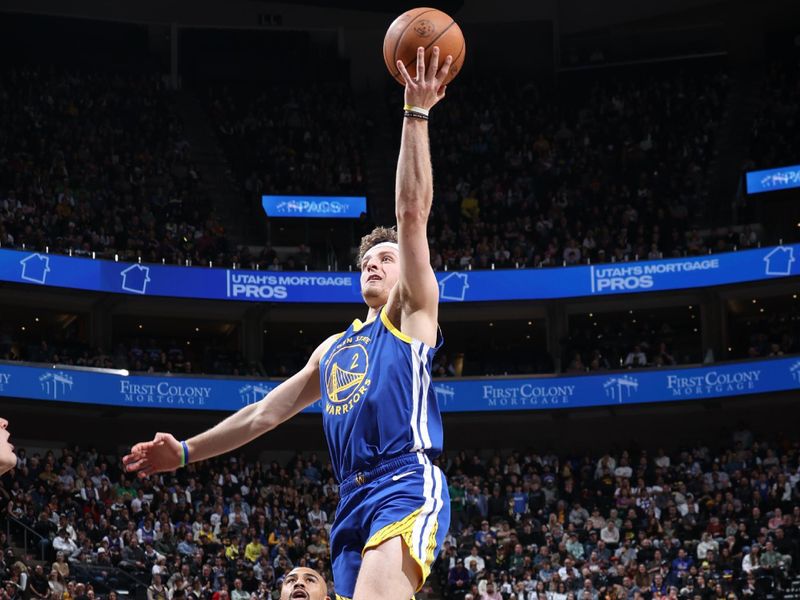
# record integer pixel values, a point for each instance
(377, 398)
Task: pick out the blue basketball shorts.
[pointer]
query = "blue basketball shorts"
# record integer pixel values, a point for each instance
(405, 496)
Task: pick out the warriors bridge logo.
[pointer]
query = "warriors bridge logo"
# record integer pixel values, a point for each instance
(345, 376)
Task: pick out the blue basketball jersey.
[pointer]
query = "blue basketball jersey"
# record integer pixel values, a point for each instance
(377, 398)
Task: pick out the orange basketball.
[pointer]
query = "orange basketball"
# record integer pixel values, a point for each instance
(426, 27)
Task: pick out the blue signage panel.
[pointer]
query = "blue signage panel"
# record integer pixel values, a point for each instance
(65, 384)
(456, 286)
(320, 207)
(772, 180)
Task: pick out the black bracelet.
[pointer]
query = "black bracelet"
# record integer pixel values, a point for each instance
(414, 115)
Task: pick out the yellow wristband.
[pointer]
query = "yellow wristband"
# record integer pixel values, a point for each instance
(416, 109)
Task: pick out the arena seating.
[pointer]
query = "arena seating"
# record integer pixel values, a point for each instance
(713, 523)
(614, 173)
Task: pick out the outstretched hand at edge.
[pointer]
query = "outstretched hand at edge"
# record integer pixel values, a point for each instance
(161, 454)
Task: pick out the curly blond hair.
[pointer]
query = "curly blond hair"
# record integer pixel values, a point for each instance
(373, 238)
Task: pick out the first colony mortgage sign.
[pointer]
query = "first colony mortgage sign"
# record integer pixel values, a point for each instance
(34, 268)
(118, 388)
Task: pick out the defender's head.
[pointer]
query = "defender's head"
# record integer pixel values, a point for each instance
(379, 262)
(8, 459)
(303, 583)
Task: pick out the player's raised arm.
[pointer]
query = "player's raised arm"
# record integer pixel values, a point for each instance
(165, 453)
(417, 291)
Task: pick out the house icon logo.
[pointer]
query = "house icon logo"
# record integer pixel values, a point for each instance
(56, 385)
(454, 287)
(135, 279)
(252, 393)
(35, 268)
(622, 387)
(444, 393)
(779, 261)
(795, 371)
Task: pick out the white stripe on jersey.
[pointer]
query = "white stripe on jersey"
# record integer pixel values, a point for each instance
(415, 391)
(423, 399)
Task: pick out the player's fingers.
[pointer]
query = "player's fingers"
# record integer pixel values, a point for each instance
(420, 64)
(441, 92)
(404, 72)
(434, 64)
(442, 74)
(142, 447)
(137, 466)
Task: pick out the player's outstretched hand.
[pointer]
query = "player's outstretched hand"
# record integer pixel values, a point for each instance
(428, 87)
(160, 455)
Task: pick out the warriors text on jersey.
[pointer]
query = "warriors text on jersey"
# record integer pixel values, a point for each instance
(377, 398)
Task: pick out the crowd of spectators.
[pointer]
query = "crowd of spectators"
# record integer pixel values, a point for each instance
(629, 525)
(526, 177)
(774, 133)
(631, 341)
(291, 139)
(99, 163)
(603, 171)
(600, 342)
(772, 334)
(140, 355)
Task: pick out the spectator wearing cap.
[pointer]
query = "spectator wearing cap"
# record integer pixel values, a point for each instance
(458, 579)
(64, 544)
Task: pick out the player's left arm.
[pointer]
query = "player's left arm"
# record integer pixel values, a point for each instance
(417, 291)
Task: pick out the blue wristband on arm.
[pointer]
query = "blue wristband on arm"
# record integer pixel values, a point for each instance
(184, 454)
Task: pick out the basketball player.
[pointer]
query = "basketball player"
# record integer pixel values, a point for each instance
(380, 415)
(8, 460)
(306, 583)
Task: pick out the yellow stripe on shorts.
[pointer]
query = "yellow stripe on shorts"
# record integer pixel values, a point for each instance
(405, 528)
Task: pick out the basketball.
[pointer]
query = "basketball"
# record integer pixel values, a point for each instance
(426, 27)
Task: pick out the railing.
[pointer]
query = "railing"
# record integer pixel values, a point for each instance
(94, 572)
(27, 533)
(109, 576)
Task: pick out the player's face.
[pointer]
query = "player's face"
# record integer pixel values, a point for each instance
(8, 459)
(380, 270)
(303, 583)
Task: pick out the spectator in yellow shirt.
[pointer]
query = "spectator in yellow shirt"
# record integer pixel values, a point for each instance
(231, 549)
(252, 552)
